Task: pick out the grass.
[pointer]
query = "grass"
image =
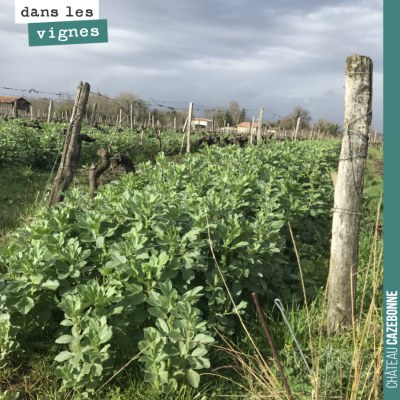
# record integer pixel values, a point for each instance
(244, 368)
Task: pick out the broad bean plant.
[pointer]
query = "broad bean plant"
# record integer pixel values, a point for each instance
(132, 271)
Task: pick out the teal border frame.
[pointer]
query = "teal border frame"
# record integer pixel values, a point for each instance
(391, 114)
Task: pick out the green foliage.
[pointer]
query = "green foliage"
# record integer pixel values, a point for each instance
(132, 270)
(29, 147)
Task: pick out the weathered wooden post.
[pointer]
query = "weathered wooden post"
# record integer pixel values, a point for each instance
(259, 125)
(15, 110)
(50, 111)
(297, 128)
(66, 171)
(318, 134)
(93, 119)
(131, 116)
(348, 193)
(31, 112)
(251, 130)
(189, 121)
(152, 121)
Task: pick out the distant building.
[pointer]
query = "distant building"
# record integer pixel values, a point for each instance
(7, 104)
(201, 123)
(245, 127)
(228, 129)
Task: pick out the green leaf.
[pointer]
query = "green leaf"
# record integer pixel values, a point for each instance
(175, 335)
(237, 288)
(193, 378)
(150, 377)
(24, 305)
(67, 322)
(199, 352)
(201, 337)
(162, 326)
(157, 312)
(51, 284)
(100, 242)
(65, 339)
(63, 356)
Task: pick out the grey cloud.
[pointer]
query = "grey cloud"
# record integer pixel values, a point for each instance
(275, 54)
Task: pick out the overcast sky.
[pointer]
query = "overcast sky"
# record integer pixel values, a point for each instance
(271, 54)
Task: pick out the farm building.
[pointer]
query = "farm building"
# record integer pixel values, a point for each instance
(201, 123)
(244, 127)
(7, 105)
(228, 129)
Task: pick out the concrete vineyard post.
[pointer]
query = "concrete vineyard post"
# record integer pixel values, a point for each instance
(318, 134)
(15, 110)
(297, 128)
(93, 119)
(31, 112)
(189, 127)
(251, 130)
(259, 125)
(152, 121)
(348, 193)
(66, 171)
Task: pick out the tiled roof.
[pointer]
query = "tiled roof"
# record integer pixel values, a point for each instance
(247, 125)
(10, 99)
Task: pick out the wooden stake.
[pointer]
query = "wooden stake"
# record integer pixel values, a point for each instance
(50, 111)
(251, 130)
(348, 194)
(259, 125)
(189, 127)
(66, 171)
(93, 119)
(131, 116)
(297, 128)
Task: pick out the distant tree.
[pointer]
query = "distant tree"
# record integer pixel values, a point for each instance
(242, 116)
(298, 112)
(332, 128)
(206, 114)
(219, 116)
(234, 112)
(228, 118)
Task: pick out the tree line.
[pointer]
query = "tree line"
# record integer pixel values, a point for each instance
(109, 108)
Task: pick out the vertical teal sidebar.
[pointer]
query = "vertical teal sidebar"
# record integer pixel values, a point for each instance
(391, 187)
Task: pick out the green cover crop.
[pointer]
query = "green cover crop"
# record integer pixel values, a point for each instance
(132, 270)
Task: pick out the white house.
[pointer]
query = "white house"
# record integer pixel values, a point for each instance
(245, 127)
(201, 123)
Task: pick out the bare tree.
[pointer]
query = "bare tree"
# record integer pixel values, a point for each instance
(234, 111)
